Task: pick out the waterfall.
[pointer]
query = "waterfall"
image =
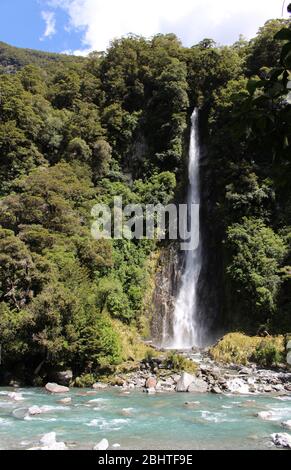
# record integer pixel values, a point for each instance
(186, 331)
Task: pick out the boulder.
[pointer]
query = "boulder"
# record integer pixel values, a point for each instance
(49, 442)
(139, 383)
(151, 382)
(288, 347)
(150, 391)
(238, 385)
(215, 389)
(176, 378)
(34, 410)
(15, 396)
(287, 424)
(184, 382)
(127, 411)
(282, 440)
(20, 413)
(56, 388)
(192, 404)
(65, 401)
(99, 386)
(198, 386)
(278, 388)
(265, 415)
(102, 445)
(289, 358)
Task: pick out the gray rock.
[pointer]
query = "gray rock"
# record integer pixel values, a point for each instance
(65, 401)
(287, 424)
(151, 382)
(34, 410)
(265, 415)
(176, 378)
(288, 347)
(245, 371)
(140, 383)
(278, 388)
(289, 358)
(102, 445)
(49, 442)
(282, 440)
(99, 386)
(185, 381)
(55, 388)
(216, 390)
(198, 386)
(192, 404)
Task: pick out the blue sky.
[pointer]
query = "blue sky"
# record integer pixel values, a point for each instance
(22, 25)
(80, 26)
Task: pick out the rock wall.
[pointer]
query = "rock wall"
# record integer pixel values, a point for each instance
(166, 284)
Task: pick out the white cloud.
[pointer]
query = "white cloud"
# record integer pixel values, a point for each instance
(190, 20)
(50, 24)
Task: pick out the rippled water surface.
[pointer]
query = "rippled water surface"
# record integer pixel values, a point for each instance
(141, 421)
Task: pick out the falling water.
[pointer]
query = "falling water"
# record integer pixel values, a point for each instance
(185, 322)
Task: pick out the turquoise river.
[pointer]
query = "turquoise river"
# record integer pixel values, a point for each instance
(135, 420)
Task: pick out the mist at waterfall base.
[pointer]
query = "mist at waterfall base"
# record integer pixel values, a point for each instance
(187, 330)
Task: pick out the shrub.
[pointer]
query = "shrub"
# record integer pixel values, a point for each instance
(267, 354)
(85, 380)
(179, 363)
(241, 349)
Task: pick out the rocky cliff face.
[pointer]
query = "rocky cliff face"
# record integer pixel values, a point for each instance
(166, 284)
(210, 287)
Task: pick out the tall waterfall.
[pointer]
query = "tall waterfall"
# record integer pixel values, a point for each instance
(185, 322)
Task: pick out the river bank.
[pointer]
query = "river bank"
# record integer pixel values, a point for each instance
(152, 376)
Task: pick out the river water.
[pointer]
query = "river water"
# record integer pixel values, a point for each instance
(137, 420)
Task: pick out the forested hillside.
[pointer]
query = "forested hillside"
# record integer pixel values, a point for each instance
(75, 132)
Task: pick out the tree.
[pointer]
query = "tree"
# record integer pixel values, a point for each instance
(65, 89)
(18, 155)
(17, 271)
(256, 255)
(102, 154)
(264, 49)
(78, 150)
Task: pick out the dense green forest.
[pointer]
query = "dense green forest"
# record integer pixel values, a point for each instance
(78, 131)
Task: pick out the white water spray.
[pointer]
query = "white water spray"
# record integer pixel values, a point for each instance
(185, 322)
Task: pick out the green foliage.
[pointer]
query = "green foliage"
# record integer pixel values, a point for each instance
(178, 363)
(265, 51)
(79, 131)
(14, 326)
(267, 355)
(256, 253)
(17, 270)
(241, 349)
